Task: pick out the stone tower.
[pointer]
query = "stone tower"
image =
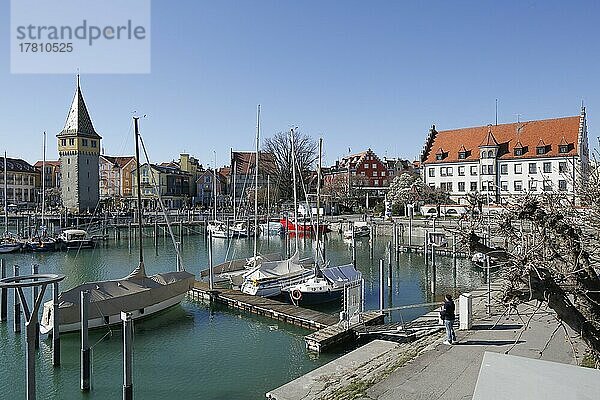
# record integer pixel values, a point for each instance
(79, 151)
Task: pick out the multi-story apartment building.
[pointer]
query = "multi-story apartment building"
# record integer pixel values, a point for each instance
(115, 176)
(20, 180)
(205, 188)
(242, 167)
(79, 150)
(52, 181)
(509, 159)
(363, 171)
(172, 183)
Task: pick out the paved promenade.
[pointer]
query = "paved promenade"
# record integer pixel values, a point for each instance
(428, 369)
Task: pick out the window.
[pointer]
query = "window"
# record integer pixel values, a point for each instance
(72, 142)
(547, 167)
(484, 186)
(439, 156)
(63, 142)
(504, 169)
(93, 143)
(490, 170)
(376, 182)
(483, 169)
(562, 167)
(374, 173)
(518, 169)
(461, 186)
(562, 185)
(518, 186)
(461, 171)
(518, 151)
(449, 171)
(366, 166)
(431, 172)
(443, 171)
(84, 142)
(362, 173)
(540, 150)
(474, 170)
(491, 154)
(473, 186)
(462, 155)
(374, 165)
(483, 154)
(532, 168)
(68, 161)
(547, 185)
(382, 173)
(504, 186)
(532, 185)
(563, 148)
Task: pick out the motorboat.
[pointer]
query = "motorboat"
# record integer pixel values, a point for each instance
(302, 225)
(360, 228)
(75, 239)
(327, 286)
(9, 244)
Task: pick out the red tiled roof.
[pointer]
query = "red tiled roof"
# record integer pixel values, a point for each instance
(529, 134)
(39, 164)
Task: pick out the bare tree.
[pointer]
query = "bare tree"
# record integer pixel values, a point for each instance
(306, 154)
(550, 252)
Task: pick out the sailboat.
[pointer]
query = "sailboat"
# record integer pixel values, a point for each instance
(268, 278)
(325, 284)
(8, 243)
(137, 293)
(42, 242)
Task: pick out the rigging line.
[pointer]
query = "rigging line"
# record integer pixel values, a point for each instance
(162, 206)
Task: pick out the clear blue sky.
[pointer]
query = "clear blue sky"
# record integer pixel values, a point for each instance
(360, 73)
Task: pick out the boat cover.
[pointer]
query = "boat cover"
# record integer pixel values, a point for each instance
(341, 274)
(277, 269)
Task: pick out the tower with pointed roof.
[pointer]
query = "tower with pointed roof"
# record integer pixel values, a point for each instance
(79, 151)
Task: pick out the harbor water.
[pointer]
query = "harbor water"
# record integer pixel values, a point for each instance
(197, 350)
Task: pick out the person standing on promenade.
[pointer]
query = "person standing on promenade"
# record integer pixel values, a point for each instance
(447, 315)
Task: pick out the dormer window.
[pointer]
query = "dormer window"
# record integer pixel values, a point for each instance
(518, 151)
(462, 153)
(563, 146)
(440, 155)
(541, 148)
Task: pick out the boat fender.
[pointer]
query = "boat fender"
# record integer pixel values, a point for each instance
(296, 294)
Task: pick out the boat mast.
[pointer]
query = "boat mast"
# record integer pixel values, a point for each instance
(44, 179)
(294, 184)
(5, 197)
(256, 183)
(318, 205)
(215, 186)
(233, 199)
(139, 190)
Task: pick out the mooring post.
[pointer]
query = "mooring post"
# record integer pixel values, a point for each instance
(433, 271)
(127, 355)
(178, 250)
(35, 269)
(489, 286)
(353, 247)
(17, 307)
(381, 284)
(55, 326)
(210, 262)
(181, 230)
(129, 235)
(390, 265)
(3, 294)
(85, 348)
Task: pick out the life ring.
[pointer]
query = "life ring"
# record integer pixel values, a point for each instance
(296, 294)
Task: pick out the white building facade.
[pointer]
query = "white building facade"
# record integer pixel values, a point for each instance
(508, 160)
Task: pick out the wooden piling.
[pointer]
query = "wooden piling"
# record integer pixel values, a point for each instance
(55, 324)
(127, 355)
(17, 305)
(3, 294)
(85, 348)
(381, 285)
(35, 269)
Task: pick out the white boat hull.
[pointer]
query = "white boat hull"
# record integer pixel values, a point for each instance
(115, 319)
(272, 287)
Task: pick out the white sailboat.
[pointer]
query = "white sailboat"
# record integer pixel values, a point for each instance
(325, 284)
(268, 278)
(137, 293)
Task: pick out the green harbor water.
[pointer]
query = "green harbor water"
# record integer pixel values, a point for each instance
(195, 351)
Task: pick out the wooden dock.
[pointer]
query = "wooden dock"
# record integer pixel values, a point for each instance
(336, 334)
(306, 318)
(330, 331)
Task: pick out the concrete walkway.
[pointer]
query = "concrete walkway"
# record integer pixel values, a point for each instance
(428, 369)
